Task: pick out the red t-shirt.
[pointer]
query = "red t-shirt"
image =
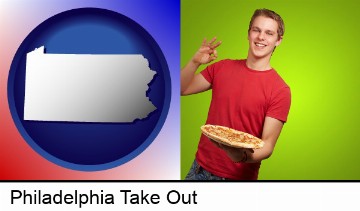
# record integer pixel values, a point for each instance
(241, 99)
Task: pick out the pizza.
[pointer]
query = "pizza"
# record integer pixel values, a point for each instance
(231, 137)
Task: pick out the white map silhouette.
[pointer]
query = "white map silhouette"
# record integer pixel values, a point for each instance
(86, 87)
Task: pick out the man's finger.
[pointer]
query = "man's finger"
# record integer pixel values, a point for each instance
(212, 41)
(212, 58)
(204, 42)
(215, 53)
(205, 50)
(216, 45)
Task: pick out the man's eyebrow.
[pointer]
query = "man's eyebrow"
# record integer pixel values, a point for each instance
(267, 30)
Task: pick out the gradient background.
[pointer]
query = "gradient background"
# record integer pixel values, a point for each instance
(318, 58)
(161, 160)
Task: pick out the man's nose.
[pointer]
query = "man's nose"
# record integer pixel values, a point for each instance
(261, 36)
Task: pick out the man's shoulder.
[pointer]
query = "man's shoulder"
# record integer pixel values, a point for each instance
(228, 62)
(279, 81)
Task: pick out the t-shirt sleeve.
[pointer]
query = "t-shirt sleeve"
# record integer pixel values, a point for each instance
(280, 104)
(209, 72)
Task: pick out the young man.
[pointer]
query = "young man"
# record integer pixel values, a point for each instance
(247, 95)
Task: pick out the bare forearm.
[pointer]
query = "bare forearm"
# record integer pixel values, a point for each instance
(249, 155)
(271, 132)
(187, 74)
(259, 155)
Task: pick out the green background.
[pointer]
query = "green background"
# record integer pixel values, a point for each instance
(319, 60)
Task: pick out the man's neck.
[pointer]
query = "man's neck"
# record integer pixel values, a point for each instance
(259, 64)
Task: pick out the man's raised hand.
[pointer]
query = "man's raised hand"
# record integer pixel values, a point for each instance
(207, 52)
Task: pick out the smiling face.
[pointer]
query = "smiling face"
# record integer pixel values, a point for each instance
(263, 38)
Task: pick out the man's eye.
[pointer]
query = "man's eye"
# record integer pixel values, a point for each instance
(270, 33)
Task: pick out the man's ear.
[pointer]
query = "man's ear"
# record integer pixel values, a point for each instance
(279, 41)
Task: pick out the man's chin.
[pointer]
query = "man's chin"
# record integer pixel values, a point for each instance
(258, 56)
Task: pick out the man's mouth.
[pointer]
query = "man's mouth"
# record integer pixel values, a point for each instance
(260, 44)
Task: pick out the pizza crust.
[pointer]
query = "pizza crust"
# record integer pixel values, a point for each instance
(231, 137)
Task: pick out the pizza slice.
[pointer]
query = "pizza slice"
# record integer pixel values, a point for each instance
(231, 137)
